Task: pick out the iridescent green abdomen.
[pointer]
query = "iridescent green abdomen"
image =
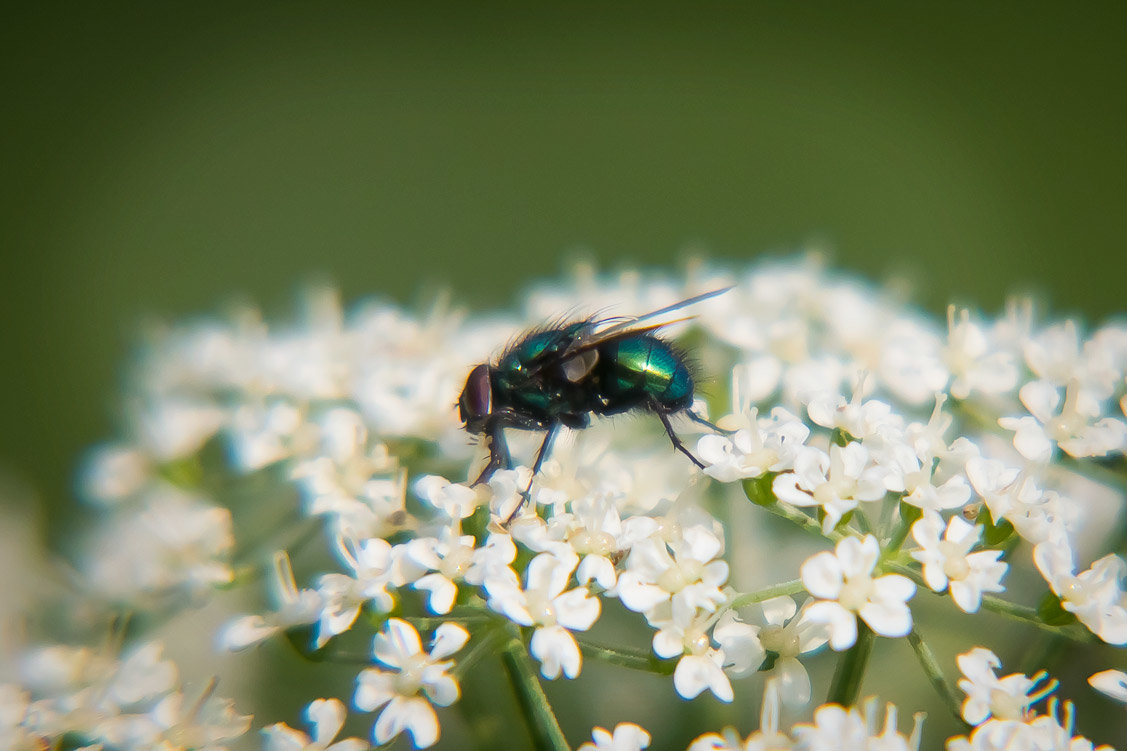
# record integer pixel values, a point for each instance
(641, 370)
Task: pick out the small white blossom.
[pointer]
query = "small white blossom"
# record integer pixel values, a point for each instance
(555, 613)
(844, 584)
(626, 737)
(835, 481)
(1095, 596)
(413, 681)
(835, 727)
(978, 364)
(1007, 698)
(1076, 425)
(325, 718)
(948, 563)
(767, 444)
(449, 558)
(789, 637)
(172, 541)
(295, 607)
(685, 571)
(376, 567)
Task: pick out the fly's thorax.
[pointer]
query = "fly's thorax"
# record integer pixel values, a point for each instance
(640, 370)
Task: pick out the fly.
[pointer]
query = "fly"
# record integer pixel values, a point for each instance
(560, 376)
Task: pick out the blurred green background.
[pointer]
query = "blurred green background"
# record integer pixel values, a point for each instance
(159, 158)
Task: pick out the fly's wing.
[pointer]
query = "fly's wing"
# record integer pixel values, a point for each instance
(627, 324)
(578, 358)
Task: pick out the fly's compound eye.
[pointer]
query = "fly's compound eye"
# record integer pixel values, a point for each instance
(476, 401)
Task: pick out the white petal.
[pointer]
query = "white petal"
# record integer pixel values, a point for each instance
(794, 682)
(694, 674)
(448, 639)
(397, 641)
(556, 650)
(822, 576)
(326, 718)
(887, 618)
(895, 587)
(778, 610)
(1111, 682)
(841, 623)
(575, 610)
(414, 714)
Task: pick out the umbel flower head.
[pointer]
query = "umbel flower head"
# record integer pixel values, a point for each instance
(318, 473)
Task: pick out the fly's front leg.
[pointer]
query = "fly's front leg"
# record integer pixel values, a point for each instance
(499, 457)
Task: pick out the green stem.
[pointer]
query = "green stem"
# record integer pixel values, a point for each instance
(1029, 615)
(909, 514)
(1013, 611)
(851, 666)
(627, 658)
(792, 587)
(803, 521)
(935, 674)
(542, 723)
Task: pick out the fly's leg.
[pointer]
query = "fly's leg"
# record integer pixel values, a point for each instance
(701, 421)
(675, 440)
(499, 457)
(542, 452)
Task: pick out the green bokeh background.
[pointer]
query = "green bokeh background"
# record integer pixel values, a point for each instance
(160, 157)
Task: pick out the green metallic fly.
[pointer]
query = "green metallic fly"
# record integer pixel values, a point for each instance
(560, 376)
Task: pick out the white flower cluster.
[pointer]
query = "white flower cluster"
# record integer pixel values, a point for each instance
(924, 457)
(1001, 710)
(133, 702)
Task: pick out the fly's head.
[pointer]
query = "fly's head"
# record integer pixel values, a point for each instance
(476, 402)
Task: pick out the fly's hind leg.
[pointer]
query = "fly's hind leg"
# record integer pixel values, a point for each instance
(675, 440)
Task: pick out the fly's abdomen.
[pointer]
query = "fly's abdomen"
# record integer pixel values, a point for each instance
(642, 369)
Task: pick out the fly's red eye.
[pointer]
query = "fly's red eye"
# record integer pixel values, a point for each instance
(476, 400)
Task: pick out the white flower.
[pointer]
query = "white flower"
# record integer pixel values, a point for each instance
(1035, 732)
(767, 444)
(767, 738)
(172, 541)
(1113, 683)
(449, 557)
(977, 363)
(1077, 427)
(788, 637)
(413, 675)
(834, 481)
(684, 571)
(1007, 698)
(456, 500)
(700, 666)
(543, 603)
(1095, 596)
(261, 433)
(295, 607)
(1014, 496)
(836, 727)
(374, 565)
(844, 584)
(325, 718)
(626, 737)
(949, 562)
(179, 721)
